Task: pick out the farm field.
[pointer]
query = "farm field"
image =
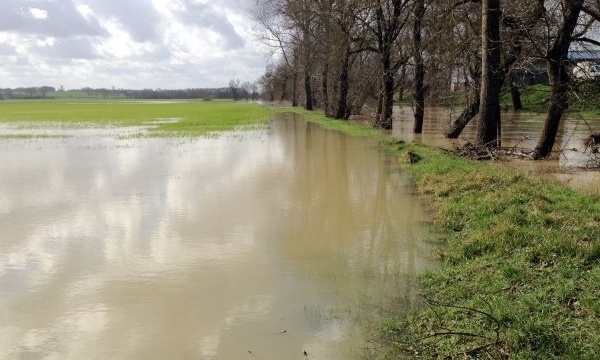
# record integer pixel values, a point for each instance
(159, 118)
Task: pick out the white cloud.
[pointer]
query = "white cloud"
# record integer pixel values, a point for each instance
(38, 13)
(68, 49)
(7, 50)
(127, 43)
(50, 18)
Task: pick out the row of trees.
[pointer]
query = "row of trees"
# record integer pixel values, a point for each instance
(237, 92)
(247, 90)
(35, 92)
(352, 56)
(196, 93)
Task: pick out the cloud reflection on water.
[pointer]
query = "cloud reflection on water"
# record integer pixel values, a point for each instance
(154, 248)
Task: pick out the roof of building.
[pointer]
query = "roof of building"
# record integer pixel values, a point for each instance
(584, 55)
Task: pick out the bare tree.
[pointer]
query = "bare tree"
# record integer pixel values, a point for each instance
(558, 74)
(386, 19)
(461, 32)
(518, 20)
(266, 84)
(234, 87)
(302, 15)
(274, 30)
(254, 89)
(246, 88)
(287, 26)
(352, 40)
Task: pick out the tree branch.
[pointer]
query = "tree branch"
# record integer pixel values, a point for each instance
(588, 40)
(592, 12)
(463, 2)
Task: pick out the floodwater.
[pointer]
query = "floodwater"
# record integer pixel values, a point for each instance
(520, 130)
(254, 245)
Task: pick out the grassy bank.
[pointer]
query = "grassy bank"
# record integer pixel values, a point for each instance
(167, 118)
(520, 274)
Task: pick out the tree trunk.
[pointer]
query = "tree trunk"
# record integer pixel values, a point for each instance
(464, 118)
(515, 95)
(379, 104)
(419, 68)
(295, 88)
(558, 75)
(512, 56)
(342, 107)
(559, 101)
(324, 88)
(388, 30)
(488, 127)
(473, 103)
(283, 89)
(402, 81)
(419, 99)
(387, 103)
(308, 91)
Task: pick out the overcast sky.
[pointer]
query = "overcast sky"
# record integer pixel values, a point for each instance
(133, 44)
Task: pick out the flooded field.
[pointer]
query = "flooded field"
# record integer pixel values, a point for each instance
(267, 244)
(519, 130)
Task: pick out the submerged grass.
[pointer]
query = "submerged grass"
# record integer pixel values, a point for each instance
(31, 136)
(520, 273)
(166, 118)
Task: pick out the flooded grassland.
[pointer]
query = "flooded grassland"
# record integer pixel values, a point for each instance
(571, 163)
(264, 244)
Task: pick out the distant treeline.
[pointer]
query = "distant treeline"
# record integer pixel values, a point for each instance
(49, 92)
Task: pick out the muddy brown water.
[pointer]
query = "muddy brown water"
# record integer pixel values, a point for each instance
(519, 130)
(255, 245)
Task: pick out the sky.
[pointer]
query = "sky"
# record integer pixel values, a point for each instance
(128, 44)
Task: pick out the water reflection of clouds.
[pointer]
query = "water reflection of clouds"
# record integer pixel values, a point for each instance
(331, 335)
(156, 244)
(112, 207)
(249, 309)
(64, 337)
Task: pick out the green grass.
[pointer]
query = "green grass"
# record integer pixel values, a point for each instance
(192, 117)
(520, 273)
(533, 98)
(350, 128)
(520, 267)
(584, 98)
